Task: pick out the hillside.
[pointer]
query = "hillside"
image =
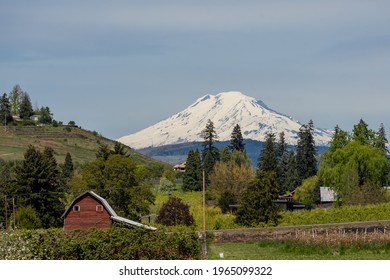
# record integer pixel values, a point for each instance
(80, 143)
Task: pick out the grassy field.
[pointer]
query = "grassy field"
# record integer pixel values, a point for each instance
(81, 144)
(297, 250)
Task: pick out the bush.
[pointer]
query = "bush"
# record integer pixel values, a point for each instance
(114, 244)
(175, 212)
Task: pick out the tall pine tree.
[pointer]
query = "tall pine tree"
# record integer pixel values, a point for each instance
(306, 152)
(268, 157)
(258, 201)
(193, 178)
(25, 107)
(210, 153)
(5, 110)
(236, 140)
(37, 178)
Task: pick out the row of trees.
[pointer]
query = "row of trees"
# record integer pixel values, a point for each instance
(355, 167)
(35, 191)
(18, 103)
(35, 187)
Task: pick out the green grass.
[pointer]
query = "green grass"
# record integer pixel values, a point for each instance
(295, 250)
(81, 144)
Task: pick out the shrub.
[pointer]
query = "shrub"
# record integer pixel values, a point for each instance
(114, 244)
(175, 212)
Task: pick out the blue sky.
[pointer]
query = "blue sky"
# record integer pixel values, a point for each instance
(119, 66)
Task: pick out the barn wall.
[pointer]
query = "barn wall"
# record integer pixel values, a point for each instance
(88, 217)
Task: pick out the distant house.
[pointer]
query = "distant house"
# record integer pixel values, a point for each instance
(181, 167)
(35, 118)
(90, 210)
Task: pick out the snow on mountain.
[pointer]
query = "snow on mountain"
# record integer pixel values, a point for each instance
(225, 110)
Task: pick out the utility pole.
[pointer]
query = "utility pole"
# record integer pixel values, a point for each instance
(204, 235)
(6, 213)
(13, 211)
(204, 202)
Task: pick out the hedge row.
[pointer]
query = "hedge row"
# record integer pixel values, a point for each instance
(113, 244)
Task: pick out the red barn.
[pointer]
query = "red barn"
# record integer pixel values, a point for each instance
(90, 210)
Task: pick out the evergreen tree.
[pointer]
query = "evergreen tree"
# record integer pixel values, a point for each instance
(103, 151)
(339, 140)
(6, 189)
(268, 157)
(193, 178)
(5, 110)
(226, 155)
(37, 178)
(306, 152)
(283, 172)
(25, 107)
(291, 180)
(362, 134)
(282, 145)
(46, 117)
(282, 162)
(210, 154)
(258, 201)
(381, 141)
(67, 169)
(236, 140)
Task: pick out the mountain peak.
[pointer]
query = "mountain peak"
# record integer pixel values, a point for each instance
(225, 109)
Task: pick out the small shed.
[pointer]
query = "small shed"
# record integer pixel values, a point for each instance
(90, 210)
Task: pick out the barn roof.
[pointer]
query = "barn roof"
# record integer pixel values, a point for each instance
(97, 197)
(109, 209)
(131, 223)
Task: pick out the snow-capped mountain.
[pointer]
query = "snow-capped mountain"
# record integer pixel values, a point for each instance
(225, 110)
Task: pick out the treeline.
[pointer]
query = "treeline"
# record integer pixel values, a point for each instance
(16, 109)
(35, 191)
(355, 167)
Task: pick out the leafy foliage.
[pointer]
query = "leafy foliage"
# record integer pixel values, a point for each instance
(119, 180)
(113, 244)
(346, 169)
(229, 180)
(306, 193)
